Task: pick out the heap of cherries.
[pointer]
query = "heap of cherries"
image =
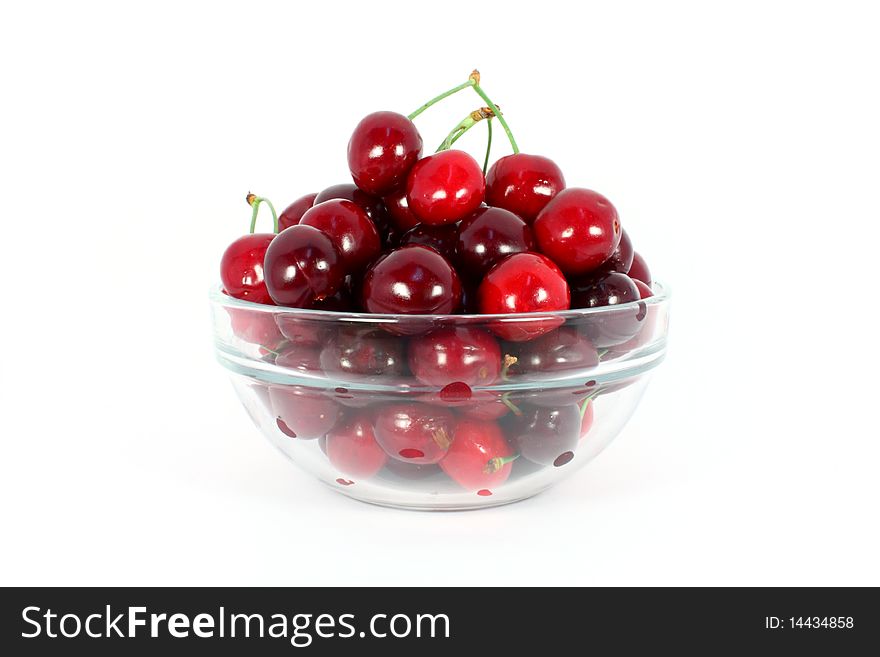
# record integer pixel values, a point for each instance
(436, 235)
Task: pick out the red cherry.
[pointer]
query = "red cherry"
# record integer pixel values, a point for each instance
(614, 327)
(524, 283)
(639, 270)
(558, 351)
(413, 432)
(363, 353)
(348, 226)
(301, 413)
(254, 327)
(291, 215)
(411, 280)
(644, 291)
(445, 187)
(398, 209)
(603, 290)
(241, 268)
(578, 229)
(479, 457)
(487, 236)
(441, 238)
(352, 447)
(302, 266)
(383, 148)
(300, 357)
(622, 258)
(455, 355)
(523, 184)
(548, 436)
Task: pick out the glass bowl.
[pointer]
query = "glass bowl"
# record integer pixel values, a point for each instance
(440, 412)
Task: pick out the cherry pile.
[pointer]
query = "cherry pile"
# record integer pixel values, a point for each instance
(438, 235)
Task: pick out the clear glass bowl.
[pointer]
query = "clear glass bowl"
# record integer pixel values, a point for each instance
(336, 393)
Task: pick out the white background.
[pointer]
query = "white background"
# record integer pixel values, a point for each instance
(739, 141)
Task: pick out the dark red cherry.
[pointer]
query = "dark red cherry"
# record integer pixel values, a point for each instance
(348, 226)
(479, 457)
(440, 238)
(445, 187)
(302, 266)
(603, 290)
(398, 209)
(644, 291)
(299, 357)
(413, 280)
(622, 258)
(524, 283)
(462, 354)
(487, 236)
(301, 413)
(616, 326)
(291, 215)
(372, 205)
(352, 447)
(557, 351)
(383, 148)
(523, 184)
(241, 268)
(579, 230)
(255, 327)
(485, 405)
(413, 432)
(639, 270)
(364, 353)
(548, 436)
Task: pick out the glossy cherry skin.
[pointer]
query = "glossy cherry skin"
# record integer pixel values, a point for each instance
(301, 413)
(353, 233)
(622, 258)
(579, 229)
(455, 355)
(413, 432)
(445, 187)
(352, 447)
(557, 351)
(524, 283)
(383, 148)
(254, 327)
(603, 290)
(398, 210)
(291, 215)
(479, 457)
(487, 236)
(413, 280)
(364, 353)
(442, 239)
(241, 268)
(523, 184)
(645, 292)
(639, 270)
(302, 266)
(613, 327)
(548, 436)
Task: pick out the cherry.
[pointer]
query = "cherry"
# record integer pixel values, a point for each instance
(441, 238)
(348, 226)
(413, 279)
(615, 327)
(398, 209)
(639, 270)
(485, 405)
(414, 432)
(383, 148)
(301, 413)
(622, 258)
(644, 291)
(487, 236)
(479, 457)
(578, 229)
(445, 187)
(352, 447)
(524, 283)
(557, 351)
(254, 327)
(303, 330)
(548, 436)
(300, 357)
(294, 212)
(364, 353)
(241, 268)
(302, 266)
(604, 289)
(523, 184)
(462, 354)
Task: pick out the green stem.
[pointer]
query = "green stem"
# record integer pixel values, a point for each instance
(437, 99)
(495, 464)
(488, 145)
(494, 108)
(255, 202)
(463, 126)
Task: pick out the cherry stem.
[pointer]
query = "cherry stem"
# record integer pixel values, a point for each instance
(506, 364)
(464, 85)
(463, 126)
(254, 201)
(583, 408)
(488, 145)
(494, 108)
(495, 464)
(505, 399)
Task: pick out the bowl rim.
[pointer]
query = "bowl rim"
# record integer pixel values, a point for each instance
(662, 294)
